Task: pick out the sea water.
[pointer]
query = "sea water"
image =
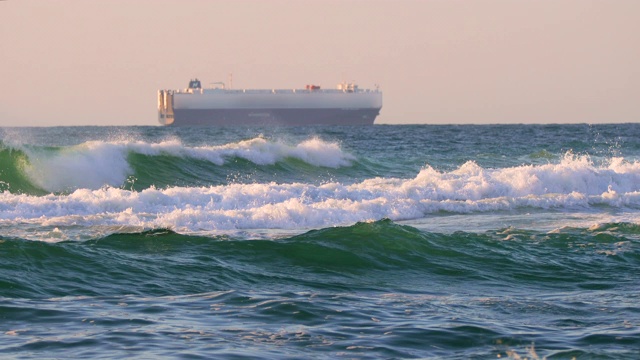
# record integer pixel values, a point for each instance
(457, 242)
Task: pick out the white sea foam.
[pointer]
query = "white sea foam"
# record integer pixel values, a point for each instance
(258, 150)
(573, 184)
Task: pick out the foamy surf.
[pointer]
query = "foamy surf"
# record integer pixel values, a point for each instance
(574, 183)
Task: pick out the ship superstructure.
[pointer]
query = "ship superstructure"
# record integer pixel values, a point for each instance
(218, 106)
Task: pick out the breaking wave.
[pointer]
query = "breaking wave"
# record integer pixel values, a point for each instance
(138, 165)
(574, 182)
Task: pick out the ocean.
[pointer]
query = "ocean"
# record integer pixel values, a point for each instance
(378, 242)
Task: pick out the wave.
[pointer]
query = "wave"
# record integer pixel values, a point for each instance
(380, 254)
(138, 165)
(12, 176)
(573, 184)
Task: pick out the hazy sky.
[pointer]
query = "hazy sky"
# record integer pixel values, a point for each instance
(79, 62)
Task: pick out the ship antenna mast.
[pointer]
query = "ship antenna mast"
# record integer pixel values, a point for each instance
(230, 80)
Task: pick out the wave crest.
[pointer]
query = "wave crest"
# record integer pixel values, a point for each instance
(95, 164)
(573, 183)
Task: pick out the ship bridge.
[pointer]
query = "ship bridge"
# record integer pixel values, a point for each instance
(195, 84)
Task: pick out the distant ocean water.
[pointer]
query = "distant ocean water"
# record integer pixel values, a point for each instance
(456, 242)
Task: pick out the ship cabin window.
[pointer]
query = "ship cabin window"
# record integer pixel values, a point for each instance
(195, 84)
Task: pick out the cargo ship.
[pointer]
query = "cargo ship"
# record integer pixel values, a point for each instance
(218, 106)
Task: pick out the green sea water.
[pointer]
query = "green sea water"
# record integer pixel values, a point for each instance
(456, 242)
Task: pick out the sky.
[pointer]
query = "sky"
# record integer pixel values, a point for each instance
(79, 62)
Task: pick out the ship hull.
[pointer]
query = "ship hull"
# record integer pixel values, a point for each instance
(273, 117)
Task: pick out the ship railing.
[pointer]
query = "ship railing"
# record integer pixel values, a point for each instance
(273, 91)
